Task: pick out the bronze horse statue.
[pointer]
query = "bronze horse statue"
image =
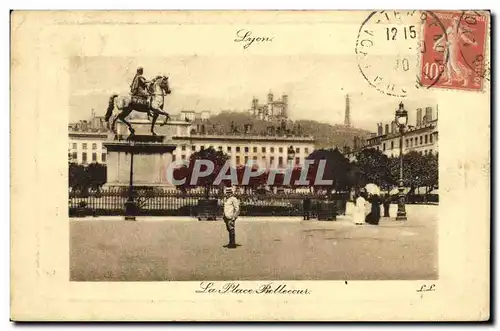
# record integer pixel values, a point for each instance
(158, 88)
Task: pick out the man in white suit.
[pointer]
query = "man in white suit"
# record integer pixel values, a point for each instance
(231, 212)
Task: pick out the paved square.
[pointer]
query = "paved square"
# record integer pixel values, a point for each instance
(271, 249)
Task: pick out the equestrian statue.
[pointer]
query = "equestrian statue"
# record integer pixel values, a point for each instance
(145, 97)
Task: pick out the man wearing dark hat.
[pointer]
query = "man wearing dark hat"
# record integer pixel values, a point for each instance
(231, 212)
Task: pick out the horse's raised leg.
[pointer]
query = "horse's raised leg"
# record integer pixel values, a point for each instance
(167, 116)
(153, 122)
(123, 115)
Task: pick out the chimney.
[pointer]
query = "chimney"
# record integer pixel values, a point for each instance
(394, 127)
(270, 97)
(379, 129)
(284, 98)
(419, 117)
(387, 129)
(428, 114)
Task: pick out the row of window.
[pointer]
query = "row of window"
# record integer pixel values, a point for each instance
(220, 148)
(84, 146)
(427, 139)
(74, 156)
(254, 158)
(410, 142)
(246, 149)
(425, 152)
(272, 160)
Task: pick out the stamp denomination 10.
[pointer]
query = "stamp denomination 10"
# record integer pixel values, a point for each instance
(388, 48)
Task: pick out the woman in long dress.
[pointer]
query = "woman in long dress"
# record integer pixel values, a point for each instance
(374, 216)
(359, 209)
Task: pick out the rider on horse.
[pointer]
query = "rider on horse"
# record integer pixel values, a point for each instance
(146, 97)
(139, 89)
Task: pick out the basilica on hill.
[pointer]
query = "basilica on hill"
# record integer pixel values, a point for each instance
(273, 110)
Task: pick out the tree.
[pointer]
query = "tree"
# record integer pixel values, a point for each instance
(83, 178)
(431, 174)
(77, 176)
(96, 174)
(284, 178)
(218, 159)
(337, 168)
(372, 166)
(418, 170)
(253, 182)
(182, 172)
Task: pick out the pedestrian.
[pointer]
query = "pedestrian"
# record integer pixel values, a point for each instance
(231, 212)
(374, 216)
(386, 203)
(359, 208)
(307, 208)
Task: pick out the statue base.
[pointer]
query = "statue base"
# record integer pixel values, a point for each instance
(146, 157)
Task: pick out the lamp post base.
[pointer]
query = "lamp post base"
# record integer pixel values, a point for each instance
(401, 217)
(401, 214)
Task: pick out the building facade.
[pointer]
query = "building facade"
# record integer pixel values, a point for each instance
(421, 137)
(191, 115)
(87, 147)
(272, 151)
(272, 110)
(85, 141)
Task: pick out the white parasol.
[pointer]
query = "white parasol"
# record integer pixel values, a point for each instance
(395, 191)
(372, 189)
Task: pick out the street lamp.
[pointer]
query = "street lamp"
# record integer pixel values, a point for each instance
(402, 121)
(130, 204)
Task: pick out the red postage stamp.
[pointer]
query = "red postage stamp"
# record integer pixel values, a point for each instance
(453, 50)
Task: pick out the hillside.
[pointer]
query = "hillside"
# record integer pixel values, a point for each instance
(326, 135)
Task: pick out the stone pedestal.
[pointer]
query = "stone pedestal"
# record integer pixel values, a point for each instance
(151, 157)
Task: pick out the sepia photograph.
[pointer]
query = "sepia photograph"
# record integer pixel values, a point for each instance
(251, 165)
(303, 177)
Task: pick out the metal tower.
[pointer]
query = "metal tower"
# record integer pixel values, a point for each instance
(347, 119)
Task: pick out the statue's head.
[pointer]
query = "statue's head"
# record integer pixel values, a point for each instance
(140, 70)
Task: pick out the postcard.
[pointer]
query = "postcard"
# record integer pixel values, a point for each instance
(250, 165)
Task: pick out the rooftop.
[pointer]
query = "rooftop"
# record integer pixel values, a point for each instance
(246, 137)
(410, 129)
(87, 134)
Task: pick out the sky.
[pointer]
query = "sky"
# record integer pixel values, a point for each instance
(316, 85)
